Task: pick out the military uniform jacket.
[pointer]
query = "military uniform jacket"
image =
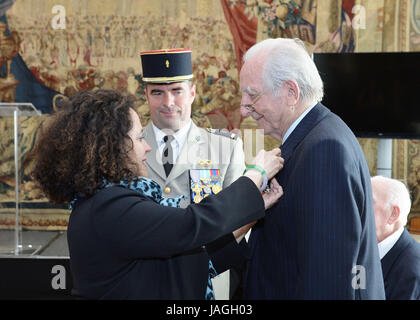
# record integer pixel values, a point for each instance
(224, 152)
(125, 246)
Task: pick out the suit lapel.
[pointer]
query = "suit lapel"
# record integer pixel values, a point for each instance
(153, 157)
(308, 122)
(187, 156)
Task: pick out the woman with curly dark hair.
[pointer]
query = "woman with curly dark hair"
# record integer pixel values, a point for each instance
(125, 240)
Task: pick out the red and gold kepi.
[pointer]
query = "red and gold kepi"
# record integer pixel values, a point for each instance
(166, 66)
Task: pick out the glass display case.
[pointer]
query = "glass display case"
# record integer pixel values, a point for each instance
(18, 125)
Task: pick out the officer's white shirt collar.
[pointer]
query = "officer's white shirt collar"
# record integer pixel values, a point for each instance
(385, 245)
(179, 138)
(294, 124)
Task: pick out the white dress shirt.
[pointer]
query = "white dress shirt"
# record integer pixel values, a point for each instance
(179, 139)
(385, 245)
(294, 124)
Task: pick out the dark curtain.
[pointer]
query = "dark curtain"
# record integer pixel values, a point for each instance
(244, 31)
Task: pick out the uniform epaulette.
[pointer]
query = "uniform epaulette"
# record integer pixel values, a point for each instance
(223, 133)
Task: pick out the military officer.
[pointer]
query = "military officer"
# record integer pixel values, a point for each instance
(188, 160)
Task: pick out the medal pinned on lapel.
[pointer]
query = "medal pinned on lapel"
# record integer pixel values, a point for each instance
(204, 182)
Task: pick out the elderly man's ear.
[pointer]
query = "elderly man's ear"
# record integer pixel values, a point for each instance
(292, 93)
(395, 215)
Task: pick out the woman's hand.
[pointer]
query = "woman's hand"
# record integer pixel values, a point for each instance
(270, 198)
(274, 194)
(270, 161)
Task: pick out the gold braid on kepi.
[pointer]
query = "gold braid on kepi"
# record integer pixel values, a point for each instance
(166, 66)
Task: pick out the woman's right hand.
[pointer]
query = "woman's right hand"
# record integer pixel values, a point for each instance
(271, 196)
(270, 161)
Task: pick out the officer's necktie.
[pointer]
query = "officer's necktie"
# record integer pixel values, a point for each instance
(168, 154)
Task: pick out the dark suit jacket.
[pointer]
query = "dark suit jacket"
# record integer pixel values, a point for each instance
(323, 225)
(401, 269)
(124, 246)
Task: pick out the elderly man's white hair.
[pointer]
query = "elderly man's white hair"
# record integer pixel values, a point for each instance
(289, 60)
(398, 194)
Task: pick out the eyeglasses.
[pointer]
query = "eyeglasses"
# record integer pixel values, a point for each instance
(250, 106)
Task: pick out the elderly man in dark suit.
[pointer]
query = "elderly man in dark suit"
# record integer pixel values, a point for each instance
(399, 252)
(318, 241)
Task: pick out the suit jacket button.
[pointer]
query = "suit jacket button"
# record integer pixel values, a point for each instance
(167, 190)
